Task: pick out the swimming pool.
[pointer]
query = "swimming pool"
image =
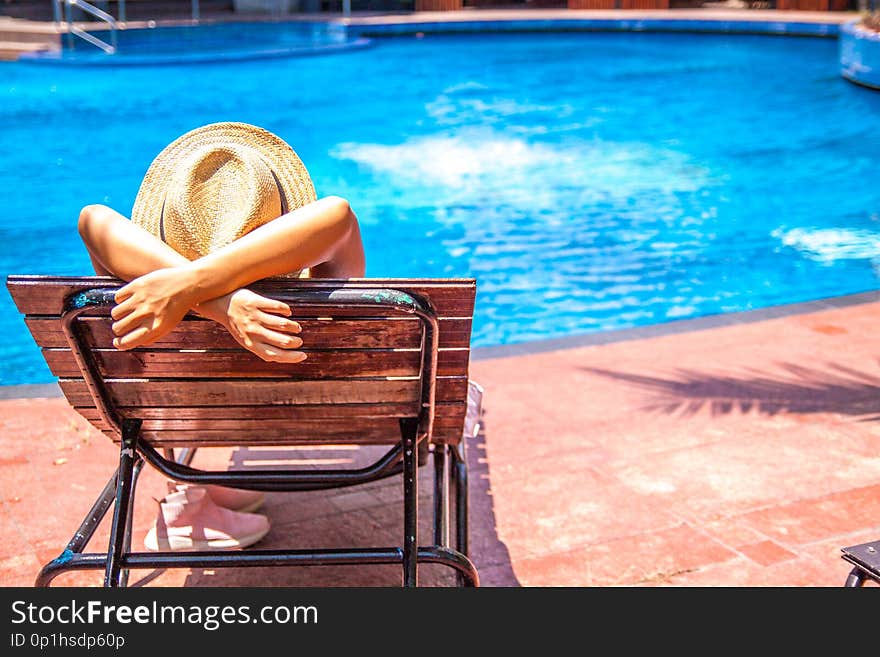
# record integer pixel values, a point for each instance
(589, 181)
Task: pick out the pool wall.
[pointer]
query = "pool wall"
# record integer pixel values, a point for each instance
(375, 28)
(860, 55)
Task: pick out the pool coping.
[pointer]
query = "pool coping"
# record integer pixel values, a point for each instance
(769, 22)
(703, 323)
(763, 20)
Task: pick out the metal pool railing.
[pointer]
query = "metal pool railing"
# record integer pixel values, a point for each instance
(101, 15)
(57, 10)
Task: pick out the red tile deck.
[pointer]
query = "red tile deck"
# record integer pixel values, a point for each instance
(745, 455)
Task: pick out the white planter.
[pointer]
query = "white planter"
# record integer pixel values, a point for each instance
(860, 55)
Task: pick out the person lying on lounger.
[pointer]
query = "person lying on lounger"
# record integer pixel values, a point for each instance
(220, 207)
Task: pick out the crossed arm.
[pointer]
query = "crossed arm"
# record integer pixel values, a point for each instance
(164, 285)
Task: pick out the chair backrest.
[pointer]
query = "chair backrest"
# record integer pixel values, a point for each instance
(373, 358)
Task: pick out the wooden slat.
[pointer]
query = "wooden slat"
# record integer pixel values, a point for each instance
(143, 363)
(44, 295)
(313, 427)
(448, 421)
(287, 412)
(316, 334)
(250, 392)
(312, 312)
(368, 436)
(205, 334)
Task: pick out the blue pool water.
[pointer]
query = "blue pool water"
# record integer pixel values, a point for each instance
(589, 181)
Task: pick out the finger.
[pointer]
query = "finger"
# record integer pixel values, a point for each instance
(280, 340)
(141, 336)
(274, 306)
(126, 324)
(131, 340)
(268, 353)
(123, 293)
(277, 323)
(121, 310)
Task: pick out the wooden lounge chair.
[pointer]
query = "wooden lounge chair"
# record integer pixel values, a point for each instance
(387, 364)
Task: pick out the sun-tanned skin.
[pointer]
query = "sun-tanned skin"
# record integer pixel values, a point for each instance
(322, 236)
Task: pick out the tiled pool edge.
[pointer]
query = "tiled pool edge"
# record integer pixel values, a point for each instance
(30, 391)
(43, 390)
(860, 55)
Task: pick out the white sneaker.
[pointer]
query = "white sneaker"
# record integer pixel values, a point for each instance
(190, 520)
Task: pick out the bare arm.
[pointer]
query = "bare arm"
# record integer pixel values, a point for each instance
(323, 236)
(122, 249)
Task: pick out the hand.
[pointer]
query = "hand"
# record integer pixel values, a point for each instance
(151, 306)
(260, 325)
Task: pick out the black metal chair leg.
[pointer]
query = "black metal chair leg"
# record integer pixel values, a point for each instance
(460, 476)
(441, 495)
(124, 485)
(82, 536)
(855, 579)
(460, 481)
(138, 465)
(409, 430)
(74, 559)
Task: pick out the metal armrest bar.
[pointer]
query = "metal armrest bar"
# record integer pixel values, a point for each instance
(278, 480)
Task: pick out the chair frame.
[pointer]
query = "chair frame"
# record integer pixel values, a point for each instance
(450, 467)
(865, 559)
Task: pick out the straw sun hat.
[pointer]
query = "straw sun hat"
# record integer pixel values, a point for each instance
(217, 183)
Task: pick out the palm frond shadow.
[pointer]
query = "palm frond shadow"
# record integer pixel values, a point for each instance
(831, 388)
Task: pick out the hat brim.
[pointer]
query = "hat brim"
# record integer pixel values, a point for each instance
(294, 183)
